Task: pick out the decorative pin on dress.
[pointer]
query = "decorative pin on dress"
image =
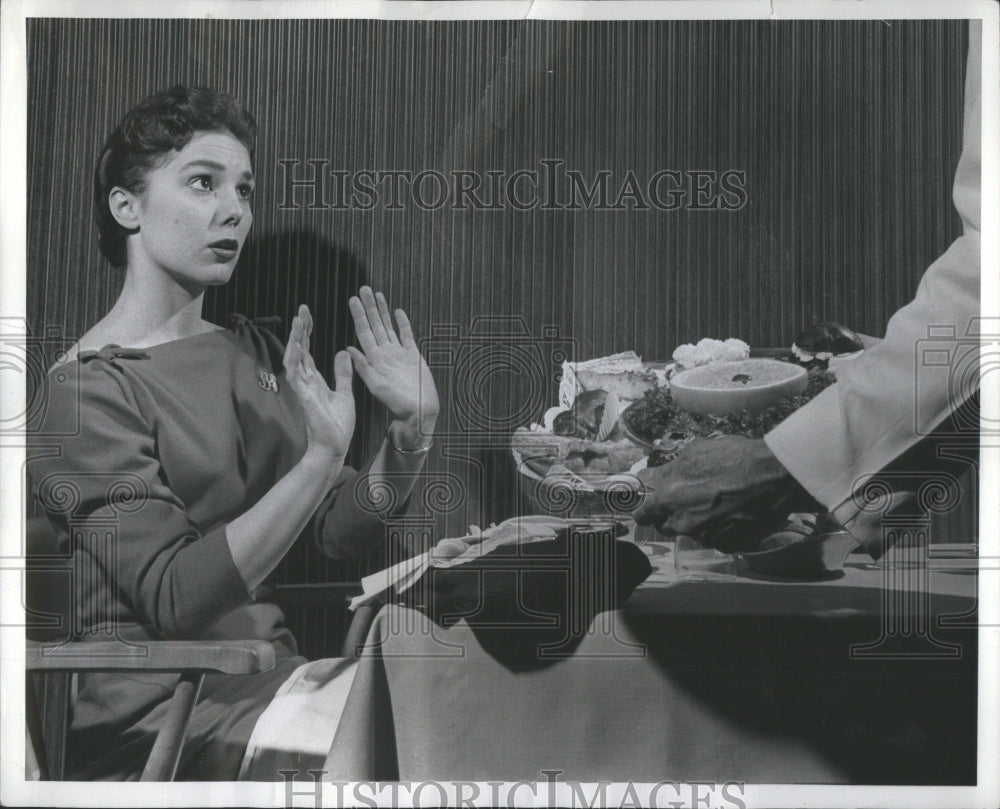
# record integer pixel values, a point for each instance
(267, 381)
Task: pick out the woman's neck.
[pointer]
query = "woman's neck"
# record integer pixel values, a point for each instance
(148, 313)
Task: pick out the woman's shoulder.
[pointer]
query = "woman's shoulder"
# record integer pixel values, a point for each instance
(110, 333)
(108, 338)
(101, 338)
(97, 375)
(106, 349)
(93, 339)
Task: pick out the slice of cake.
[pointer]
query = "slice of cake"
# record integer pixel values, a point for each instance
(622, 374)
(630, 385)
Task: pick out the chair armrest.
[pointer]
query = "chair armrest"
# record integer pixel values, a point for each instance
(321, 594)
(225, 657)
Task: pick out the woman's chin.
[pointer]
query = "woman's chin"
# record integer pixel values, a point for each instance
(221, 280)
(220, 274)
(213, 275)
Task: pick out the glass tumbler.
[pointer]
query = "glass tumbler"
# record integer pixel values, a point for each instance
(696, 562)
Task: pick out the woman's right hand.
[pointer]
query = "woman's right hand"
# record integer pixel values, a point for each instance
(329, 414)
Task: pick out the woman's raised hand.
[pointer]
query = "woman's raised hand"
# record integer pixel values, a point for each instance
(329, 414)
(393, 369)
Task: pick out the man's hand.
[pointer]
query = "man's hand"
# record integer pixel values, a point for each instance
(728, 492)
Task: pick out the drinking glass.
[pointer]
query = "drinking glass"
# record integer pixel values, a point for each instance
(696, 562)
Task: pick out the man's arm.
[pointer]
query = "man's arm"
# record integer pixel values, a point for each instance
(728, 491)
(888, 399)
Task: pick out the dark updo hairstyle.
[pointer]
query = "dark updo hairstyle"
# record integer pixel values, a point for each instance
(162, 122)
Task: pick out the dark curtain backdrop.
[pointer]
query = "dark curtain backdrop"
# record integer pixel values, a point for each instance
(848, 134)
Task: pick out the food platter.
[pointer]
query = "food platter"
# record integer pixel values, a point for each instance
(616, 416)
(610, 488)
(659, 422)
(577, 495)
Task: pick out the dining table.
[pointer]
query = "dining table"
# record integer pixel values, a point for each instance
(867, 675)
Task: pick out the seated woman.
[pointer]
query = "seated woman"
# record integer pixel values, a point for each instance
(191, 457)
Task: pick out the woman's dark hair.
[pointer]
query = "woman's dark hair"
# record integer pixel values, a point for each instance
(162, 122)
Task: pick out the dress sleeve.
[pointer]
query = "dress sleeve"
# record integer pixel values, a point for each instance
(100, 476)
(351, 521)
(895, 393)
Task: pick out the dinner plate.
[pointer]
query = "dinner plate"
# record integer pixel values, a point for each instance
(814, 556)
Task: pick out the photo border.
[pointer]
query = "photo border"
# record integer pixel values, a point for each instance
(13, 156)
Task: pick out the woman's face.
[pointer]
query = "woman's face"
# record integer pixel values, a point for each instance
(194, 214)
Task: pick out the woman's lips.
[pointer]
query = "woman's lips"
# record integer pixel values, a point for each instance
(225, 249)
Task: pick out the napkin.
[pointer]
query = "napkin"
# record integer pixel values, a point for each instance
(530, 594)
(456, 551)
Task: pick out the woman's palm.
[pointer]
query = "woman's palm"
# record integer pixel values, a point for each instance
(391, 365)
(329, 414)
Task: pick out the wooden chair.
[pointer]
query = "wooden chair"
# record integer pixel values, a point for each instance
(46, 730)
(53, 661)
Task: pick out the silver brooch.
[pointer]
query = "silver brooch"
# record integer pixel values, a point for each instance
(267, 381)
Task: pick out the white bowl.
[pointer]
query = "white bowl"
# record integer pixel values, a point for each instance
(753, 385)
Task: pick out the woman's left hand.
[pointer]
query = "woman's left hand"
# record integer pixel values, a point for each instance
(393, 369)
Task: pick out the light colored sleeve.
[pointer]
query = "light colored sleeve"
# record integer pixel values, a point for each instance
(897, 392)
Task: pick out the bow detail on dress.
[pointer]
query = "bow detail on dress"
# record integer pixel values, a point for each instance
(237, 321)
(111, 354)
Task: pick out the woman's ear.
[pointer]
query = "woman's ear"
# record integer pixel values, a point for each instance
(124, 207)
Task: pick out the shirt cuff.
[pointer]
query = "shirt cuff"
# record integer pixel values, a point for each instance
(815, 446)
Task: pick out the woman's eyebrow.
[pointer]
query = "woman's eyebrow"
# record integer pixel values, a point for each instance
(212, 164)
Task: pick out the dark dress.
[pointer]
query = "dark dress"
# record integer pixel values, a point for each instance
(151, 453)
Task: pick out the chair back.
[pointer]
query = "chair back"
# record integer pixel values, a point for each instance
(48, 583)
(48, 695)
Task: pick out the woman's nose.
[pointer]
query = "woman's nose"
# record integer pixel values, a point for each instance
(231, 209)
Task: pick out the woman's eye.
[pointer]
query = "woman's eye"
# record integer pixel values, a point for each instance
(245, 191)
(202, 182)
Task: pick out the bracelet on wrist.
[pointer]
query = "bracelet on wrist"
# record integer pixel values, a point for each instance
(418, 451)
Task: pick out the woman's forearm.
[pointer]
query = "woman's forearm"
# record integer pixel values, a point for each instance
(260, 537)
(401, 457)
(355, 523)
(398, 470)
